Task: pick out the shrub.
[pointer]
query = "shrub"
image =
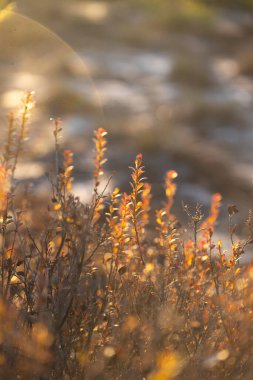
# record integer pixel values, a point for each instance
(95, 295)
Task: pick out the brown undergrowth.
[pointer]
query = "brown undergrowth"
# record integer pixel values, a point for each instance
(93, 296)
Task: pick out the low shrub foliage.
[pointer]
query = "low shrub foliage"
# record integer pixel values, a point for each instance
(99, 292)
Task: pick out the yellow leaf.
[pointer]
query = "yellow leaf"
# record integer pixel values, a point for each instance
(57, 206)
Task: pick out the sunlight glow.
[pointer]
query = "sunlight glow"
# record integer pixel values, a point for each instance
(93, 11)
(11, 99)
(6, 12)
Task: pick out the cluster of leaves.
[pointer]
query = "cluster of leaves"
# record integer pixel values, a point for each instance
(94, 295)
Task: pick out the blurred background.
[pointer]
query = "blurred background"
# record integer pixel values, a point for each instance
(172, 79)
